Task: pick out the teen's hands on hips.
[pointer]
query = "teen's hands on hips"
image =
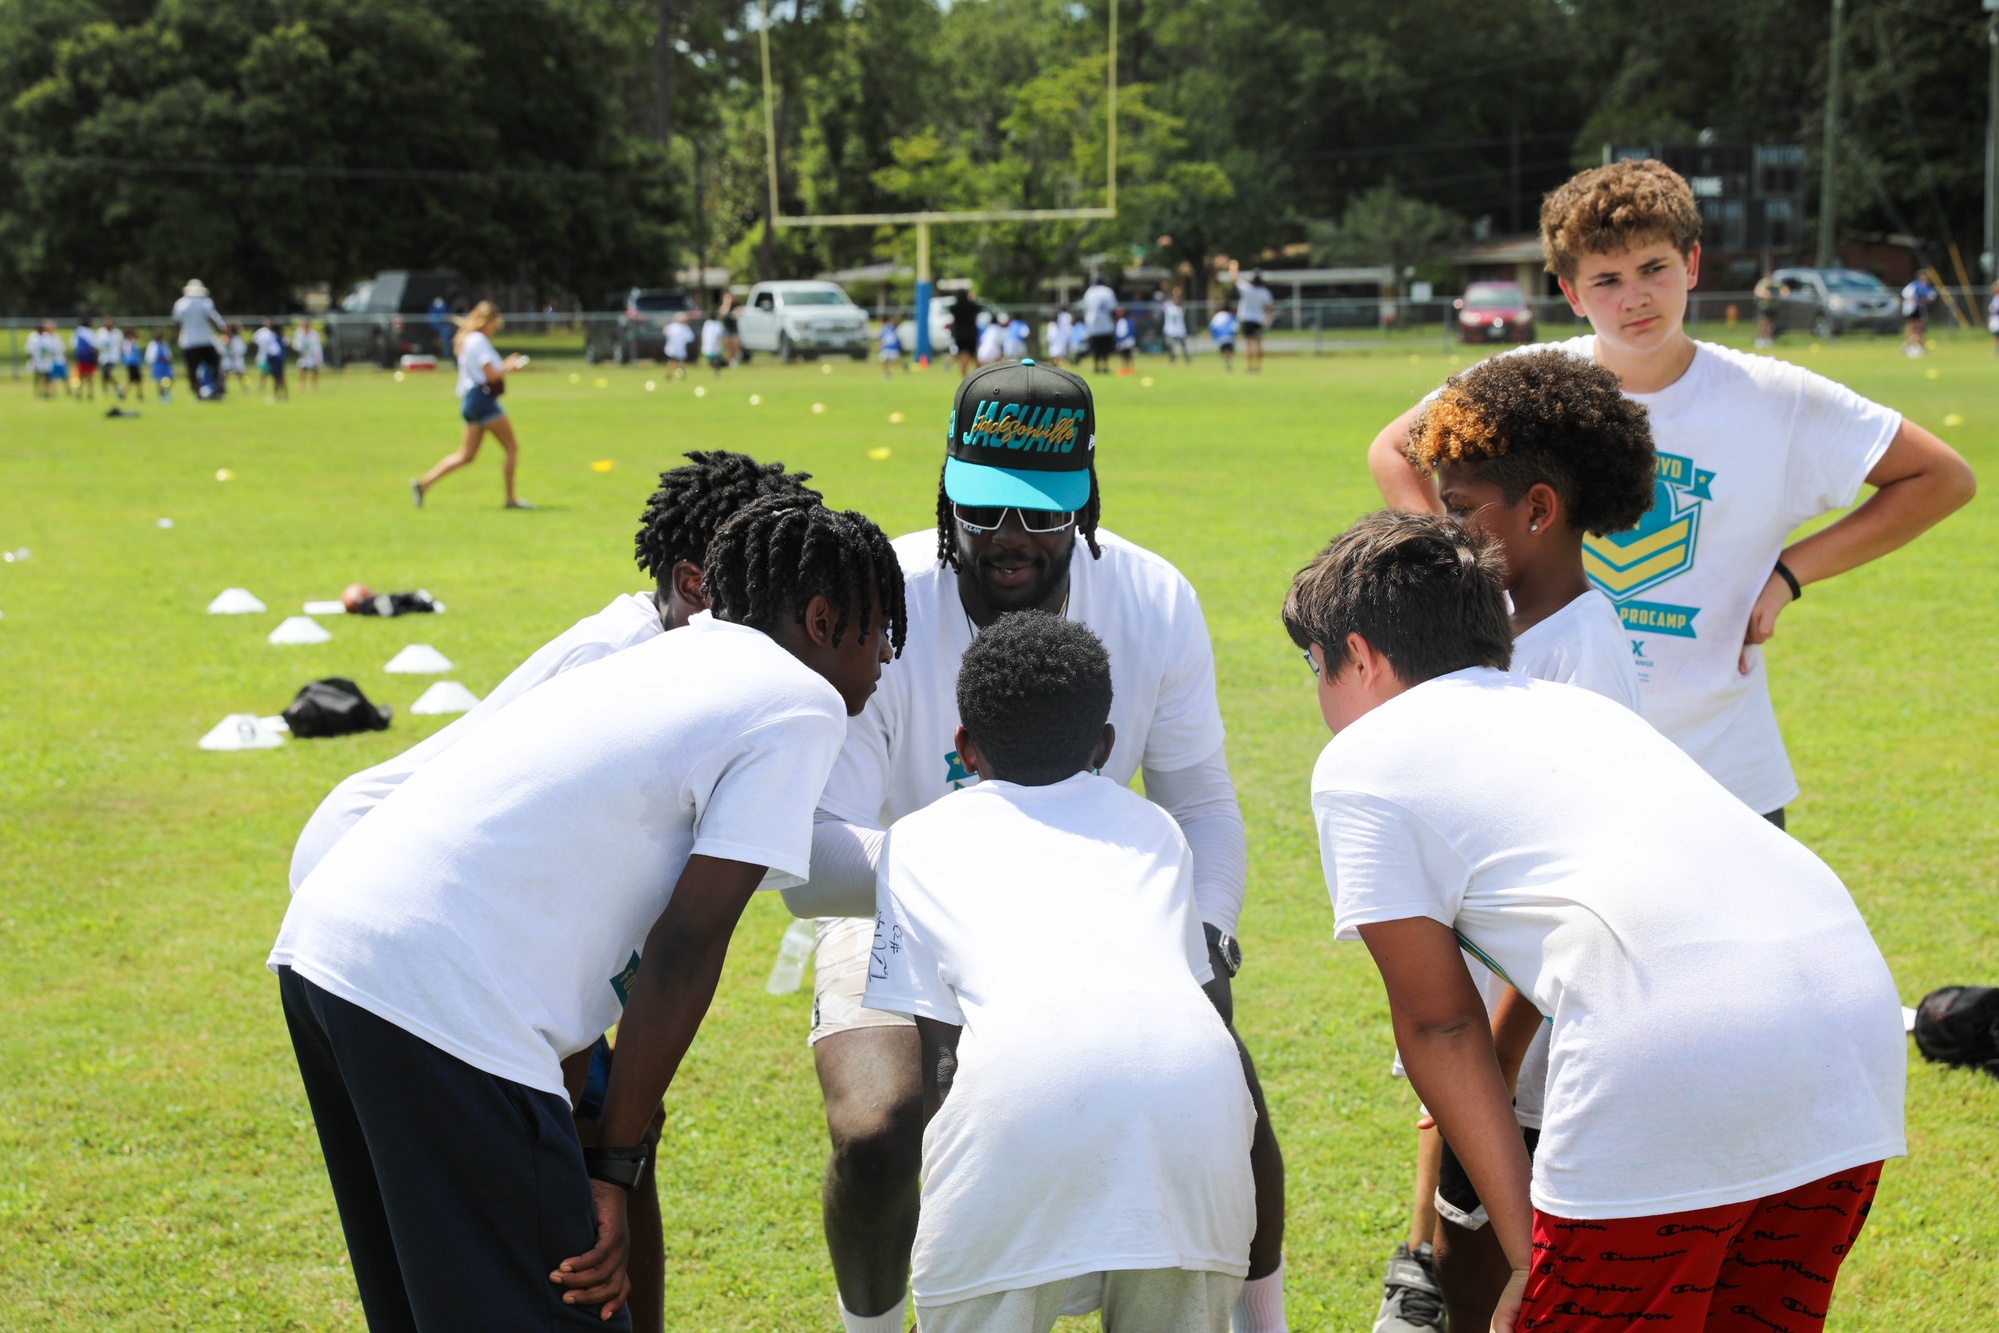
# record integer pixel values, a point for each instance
(1776, 595)
(1508, 1309)
(598, 1277)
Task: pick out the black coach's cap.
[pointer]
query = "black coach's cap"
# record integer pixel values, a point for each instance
(1021, 435)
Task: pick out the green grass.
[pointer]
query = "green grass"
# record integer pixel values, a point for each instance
(157, 1163)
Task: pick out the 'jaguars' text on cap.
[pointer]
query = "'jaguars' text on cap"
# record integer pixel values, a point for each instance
(1022, 435)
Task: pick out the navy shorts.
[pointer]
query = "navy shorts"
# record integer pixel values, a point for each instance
(479, 407)
(1252, 328)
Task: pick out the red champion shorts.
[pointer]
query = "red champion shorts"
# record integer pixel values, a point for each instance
(1765, 1266)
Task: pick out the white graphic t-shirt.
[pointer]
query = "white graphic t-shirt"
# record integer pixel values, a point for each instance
(495, 905)
(628, 621)
(1749, 448)
(1098, 1119)
(1723, 1025)
(475, 353)
(901, 752)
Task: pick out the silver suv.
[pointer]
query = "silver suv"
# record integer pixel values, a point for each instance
(1831, 301)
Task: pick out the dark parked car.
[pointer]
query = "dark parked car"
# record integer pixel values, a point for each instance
(1830, 301)
(390, 316)
(641, 334)
(1494, 312)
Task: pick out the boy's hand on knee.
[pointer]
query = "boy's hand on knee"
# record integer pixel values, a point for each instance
(1508, 1309)
(598, 1277)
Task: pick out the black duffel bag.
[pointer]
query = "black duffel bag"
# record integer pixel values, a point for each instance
(1959, 1025)
(334, 707)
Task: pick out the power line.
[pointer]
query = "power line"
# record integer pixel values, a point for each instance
(296, 171)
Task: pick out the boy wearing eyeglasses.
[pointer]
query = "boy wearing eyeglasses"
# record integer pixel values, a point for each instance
(1017, 528)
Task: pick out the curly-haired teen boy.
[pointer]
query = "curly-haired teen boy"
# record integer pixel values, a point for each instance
(1725, 1063)
(579, 860)
(1749, 448)
(1531, 452)
(1087, 1115)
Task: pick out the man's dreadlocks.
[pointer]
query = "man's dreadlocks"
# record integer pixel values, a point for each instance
(693, 501)
(1086, 522)
(771, 559)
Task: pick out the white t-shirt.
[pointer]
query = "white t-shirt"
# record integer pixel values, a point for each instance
(1079, 339)
(306, 342)
(1052, 338)
(269, 345)
(711, 337)
(901, 753)
(991, 339)
(474, 355)
(1176, 320)
(198, 321)
(44, 351)
(1749, 448)
(1583, 644)
(1253, 302)
(1098, 1119)
(495, 905)
(110, 346)
(1099, 308)
(679, 337)
(627, 622)
(1723, 1025)
(1015, 342)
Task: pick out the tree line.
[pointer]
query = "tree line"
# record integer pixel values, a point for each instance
(560, 149)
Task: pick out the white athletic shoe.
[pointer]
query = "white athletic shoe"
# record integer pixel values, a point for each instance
(1410, 1301)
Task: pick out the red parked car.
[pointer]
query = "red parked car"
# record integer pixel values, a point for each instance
(1494, 312)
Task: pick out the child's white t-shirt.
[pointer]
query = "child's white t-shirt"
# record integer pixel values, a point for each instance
(711, 337)
(1749, 447)
(475, 353)
(1079, 339)
(1723, 1025)
(628, 621)
(1176, 320)
(902, 754)
(495, 905)
(679, 337)
(1098, 1119)
(1583, 644)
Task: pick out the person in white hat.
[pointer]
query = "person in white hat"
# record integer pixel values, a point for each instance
(199, 323)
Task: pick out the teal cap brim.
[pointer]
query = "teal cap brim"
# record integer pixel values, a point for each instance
(977, 484)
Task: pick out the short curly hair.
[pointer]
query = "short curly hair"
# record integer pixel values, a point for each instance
(1548, 417)
(697, 498)
(1608, 209)
(1034, 690)
(1422, 591)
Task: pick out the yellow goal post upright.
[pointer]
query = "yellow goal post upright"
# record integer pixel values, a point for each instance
(924, 220)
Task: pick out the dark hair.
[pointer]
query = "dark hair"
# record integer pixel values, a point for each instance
(1034, 690)
(697, 498)
(1422, 591)
(773, 557)
(1544, 417)
(1086, 521)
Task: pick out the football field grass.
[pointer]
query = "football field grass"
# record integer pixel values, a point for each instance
(158, 1168)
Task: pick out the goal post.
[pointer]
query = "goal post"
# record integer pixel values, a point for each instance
(924, 220)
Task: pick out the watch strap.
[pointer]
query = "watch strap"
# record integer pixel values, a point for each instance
(617, 1166)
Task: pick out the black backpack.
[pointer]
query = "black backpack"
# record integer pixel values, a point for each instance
(1959, 1025)
(334, 707)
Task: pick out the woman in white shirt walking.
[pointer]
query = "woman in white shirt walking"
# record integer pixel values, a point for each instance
(482, 378)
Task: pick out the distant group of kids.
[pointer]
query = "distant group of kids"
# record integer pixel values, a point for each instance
(720, 344)
(219, 353)
(1659, 1054)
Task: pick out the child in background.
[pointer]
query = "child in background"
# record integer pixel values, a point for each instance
(1079, 341)
(160, 358)
(111, 355)
(1173, 324)
(271, 360)
(83, 343)
(1014, 345)
(44, 351)
(1530, 453)
(992, 340)
(678, 340)
(714, 343)
(1221, 328)
(236, 358)
(134, 357)
(891, 347)
(1726, 1062)
(1055, 342)
(1088, 1113)
(1126, 334)
(311, 353)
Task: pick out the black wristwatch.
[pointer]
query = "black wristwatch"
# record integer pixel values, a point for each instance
(617, 1166)
(1224, 946)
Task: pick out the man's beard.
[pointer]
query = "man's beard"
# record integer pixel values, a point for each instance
(1033, 593)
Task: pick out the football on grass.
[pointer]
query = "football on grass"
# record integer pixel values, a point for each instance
(355, 595)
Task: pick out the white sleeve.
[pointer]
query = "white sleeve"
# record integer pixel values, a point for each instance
(1383, 863)
(757, 807)
(905, 975)
(1201, 799)
(1836, 439)
(1186, 727)
(844, 857)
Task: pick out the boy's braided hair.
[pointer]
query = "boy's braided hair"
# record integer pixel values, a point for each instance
(1544, 417)
(1086, 522)
(695, 499)
(772, 558)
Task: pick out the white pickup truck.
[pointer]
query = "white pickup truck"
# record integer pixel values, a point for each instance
(794, 319)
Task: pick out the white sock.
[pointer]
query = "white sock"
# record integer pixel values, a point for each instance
(1260, 1308)
(888, 1321)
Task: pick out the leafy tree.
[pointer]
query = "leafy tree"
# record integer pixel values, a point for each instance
(1387, 227)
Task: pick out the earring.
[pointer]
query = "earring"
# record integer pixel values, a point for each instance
(1533, 527)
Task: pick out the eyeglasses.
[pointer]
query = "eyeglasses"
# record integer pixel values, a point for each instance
(988, 518)
(1310, 661)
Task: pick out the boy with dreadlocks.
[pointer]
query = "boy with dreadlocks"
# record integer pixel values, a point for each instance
(586, 851)
(1530, 453)
(1017, 528)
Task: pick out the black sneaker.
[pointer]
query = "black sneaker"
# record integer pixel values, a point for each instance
(1410, 1300)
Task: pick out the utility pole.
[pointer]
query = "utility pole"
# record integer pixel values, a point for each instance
(1828, 219)
(1990, 259)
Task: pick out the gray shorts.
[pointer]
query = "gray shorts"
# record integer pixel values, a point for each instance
(840, 959)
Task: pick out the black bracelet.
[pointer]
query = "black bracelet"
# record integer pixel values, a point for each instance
(1784, 573)
(617, 1166)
